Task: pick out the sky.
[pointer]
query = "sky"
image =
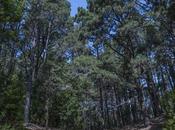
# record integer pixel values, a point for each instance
(75, 4)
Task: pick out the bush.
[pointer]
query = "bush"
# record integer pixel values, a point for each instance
(6, 127)
(12, 101)
(168, 102)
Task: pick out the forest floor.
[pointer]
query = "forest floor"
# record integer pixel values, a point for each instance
(155, 124)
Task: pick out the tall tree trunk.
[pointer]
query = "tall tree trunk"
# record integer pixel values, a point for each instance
(172, 73)
(27, 102)
(163, 79)
(119, 116)
(47, 113)
(153, 95)
(101, 100)
(113, 111)
(169, 78)
(106, 109)
(28, 97)
(140, 98)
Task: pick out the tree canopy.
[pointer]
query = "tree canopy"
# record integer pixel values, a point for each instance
(110, 66)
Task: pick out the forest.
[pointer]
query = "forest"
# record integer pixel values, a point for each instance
(109, 67)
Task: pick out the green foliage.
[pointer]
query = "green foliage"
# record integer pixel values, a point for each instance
(170, 13)
(6, 127)
(70, 112)
(11, 10)
(10, 127)
(11, 104)
(168, 102)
